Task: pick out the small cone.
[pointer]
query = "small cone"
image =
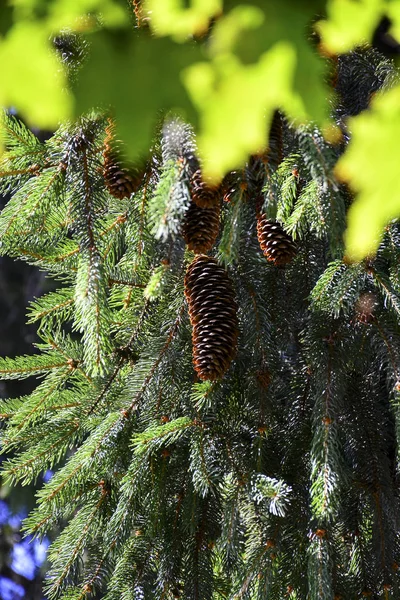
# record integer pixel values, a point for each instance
(200, 228)
(277, 245)
(231, 184)
(213, 315)
(203, 194)
(365, 307)
(120, 181)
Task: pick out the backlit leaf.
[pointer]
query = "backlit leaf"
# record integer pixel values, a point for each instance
(171, 17)
(350, 22)
(371, 165)
(236, 104)
(137, 77)
(31, 77)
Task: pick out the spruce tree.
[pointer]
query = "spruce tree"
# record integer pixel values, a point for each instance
(217, 384)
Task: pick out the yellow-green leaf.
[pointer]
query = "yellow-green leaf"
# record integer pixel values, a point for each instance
(65, 13)
(31, 77)
(371, 166)
(227, 31)
(138, 77)
(393, 12)
(170, 17)
(235, 103)
(349, 23)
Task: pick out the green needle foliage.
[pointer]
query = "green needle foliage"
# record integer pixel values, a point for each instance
(278, 480)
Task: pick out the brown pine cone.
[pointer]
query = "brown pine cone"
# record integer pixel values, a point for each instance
(120, 181)
(277, 245)
(203, 194)
(200, 228)
(232, 183)
(365, 307)
(213, 315)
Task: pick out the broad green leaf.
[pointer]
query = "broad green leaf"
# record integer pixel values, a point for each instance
(138, 77)
(350, 22)
(261, 60)
(59, 14)
(6, 20)
(236, 104)
(170, 17)
(31, 78)
(371, 166)
(65, 13)
(254, 29)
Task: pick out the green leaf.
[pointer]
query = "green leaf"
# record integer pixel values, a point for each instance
(393, 13)
(260, 61)
(65, 13)
(235, 104)
(374, 134)
(350, 23)
(38, 91)
(138, 77)
(169, 17)
(6, 14)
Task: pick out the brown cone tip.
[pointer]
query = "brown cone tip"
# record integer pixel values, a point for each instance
(200, 228)
(278, 247)
(213, 316)
(203, 194)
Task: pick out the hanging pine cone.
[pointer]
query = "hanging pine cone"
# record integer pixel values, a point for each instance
(277, 245)
(200, 228)
(120, 181)
(365, 307)
(213, 315)
(232, 183)
(203, 194)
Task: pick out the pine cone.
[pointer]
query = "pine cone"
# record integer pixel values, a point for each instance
(213, 315)
(203, 194)
(200, 228)
(120, 181)
(232, 183)
(365, 307)
(277, 245)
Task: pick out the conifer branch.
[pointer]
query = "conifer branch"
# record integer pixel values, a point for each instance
(171, 334)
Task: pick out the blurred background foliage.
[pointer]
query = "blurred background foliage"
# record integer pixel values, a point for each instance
(224, 65)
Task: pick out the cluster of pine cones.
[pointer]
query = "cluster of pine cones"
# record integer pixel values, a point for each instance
(208, 289)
